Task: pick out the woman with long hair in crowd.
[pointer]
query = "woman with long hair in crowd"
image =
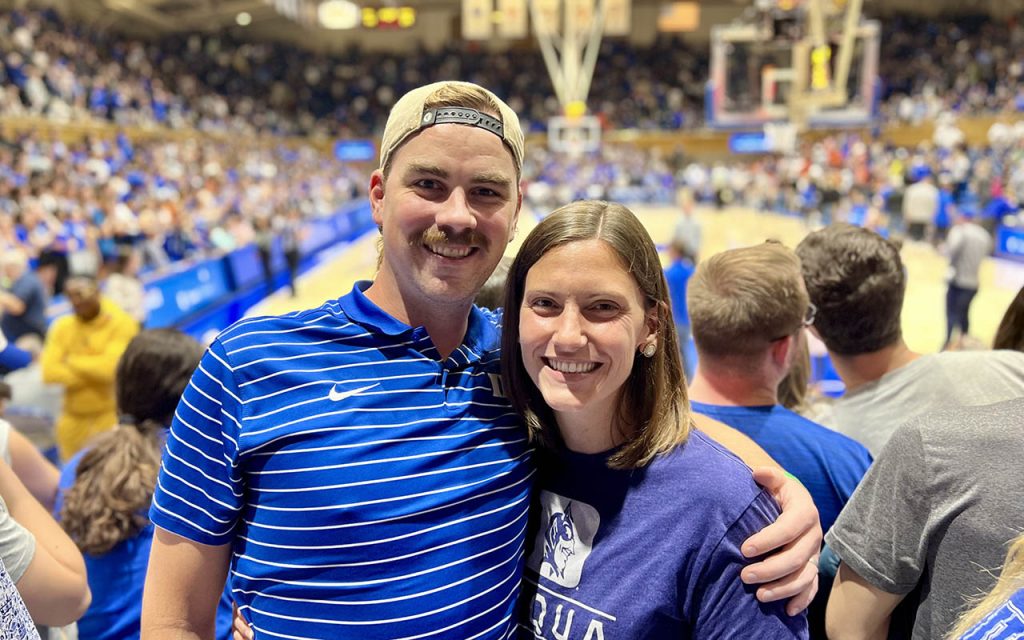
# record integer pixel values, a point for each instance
(107, 488)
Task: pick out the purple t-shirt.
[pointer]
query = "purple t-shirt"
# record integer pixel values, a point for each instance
(648, 553)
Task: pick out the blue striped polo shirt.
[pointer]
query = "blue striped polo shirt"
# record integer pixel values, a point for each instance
(370, 487)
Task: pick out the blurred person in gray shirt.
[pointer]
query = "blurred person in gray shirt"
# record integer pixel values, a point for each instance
(968, 244)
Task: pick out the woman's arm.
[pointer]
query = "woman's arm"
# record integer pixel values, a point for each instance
(37, 473)
(54, 586)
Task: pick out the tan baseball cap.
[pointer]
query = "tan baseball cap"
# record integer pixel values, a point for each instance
(410, 115)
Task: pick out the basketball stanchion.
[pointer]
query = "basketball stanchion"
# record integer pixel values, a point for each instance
(575, 133)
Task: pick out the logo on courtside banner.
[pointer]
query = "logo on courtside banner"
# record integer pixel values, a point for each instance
(565, 539)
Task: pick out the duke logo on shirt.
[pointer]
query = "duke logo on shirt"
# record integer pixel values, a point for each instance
(565, 540)
(497, 385)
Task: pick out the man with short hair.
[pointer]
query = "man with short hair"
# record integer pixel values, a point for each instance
(358, 465)
(857, 281)
(748, 310)
(80, 354)
(967, 246)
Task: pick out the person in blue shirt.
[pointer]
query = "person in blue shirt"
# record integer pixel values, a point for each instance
(356, 468)
(944, 213)
(677, 275)
(104, 490)
(23, 298)
(12, 357)
(748, 309)
(633, 500)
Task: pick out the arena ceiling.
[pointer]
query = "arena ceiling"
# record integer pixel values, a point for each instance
(164, 16)
(175, 15)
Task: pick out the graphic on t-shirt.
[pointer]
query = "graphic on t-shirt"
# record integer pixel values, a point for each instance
(560, 544)
(565, 540)
(1006, 622)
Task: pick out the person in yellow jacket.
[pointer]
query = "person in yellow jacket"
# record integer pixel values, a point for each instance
(81, 353)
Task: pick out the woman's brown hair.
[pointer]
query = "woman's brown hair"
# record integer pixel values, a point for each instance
(653, 409)
(116, 476)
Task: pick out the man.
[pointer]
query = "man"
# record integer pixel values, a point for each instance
(23, 299)
(748, 309)
(358, 465)
(856, 280)
(930, 523)
(688, 234)
(968, 245)
(80, 354)
(677, 275)
(920, 204)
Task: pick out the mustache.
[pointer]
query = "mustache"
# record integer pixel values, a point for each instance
(436, 236)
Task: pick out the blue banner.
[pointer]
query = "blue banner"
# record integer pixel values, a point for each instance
(1010, 243)
(246, 267)
(174, 296)
(749, 142)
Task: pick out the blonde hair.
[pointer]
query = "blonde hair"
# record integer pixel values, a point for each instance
(113, 487)
(792, 390)
(1011, 580)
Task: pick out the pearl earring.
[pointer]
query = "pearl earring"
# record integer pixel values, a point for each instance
(649, 349)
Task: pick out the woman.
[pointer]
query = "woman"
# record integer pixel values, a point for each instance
(107, 488)
(632, 499)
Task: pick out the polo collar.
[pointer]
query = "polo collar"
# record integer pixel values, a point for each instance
(482, 333)
(365, 312)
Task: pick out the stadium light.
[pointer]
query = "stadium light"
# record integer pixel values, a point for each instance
(338, 14)
(244, 19)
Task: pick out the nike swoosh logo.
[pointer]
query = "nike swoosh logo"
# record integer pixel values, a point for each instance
(336, 395)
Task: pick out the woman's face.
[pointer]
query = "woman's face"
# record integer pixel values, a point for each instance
(582, 320)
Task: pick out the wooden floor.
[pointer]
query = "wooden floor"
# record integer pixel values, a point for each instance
(923, 313)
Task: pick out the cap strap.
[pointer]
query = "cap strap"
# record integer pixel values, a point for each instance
(462, 115)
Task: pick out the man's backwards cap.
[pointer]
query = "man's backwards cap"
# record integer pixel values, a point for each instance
(410, 115)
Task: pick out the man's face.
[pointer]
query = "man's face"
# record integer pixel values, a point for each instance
(84, 297)
(446, 210)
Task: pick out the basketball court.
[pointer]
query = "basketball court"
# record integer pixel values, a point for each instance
(924, 321)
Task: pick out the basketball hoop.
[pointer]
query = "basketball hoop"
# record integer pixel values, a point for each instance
(574, 136)
(781, 137)
(570, 47)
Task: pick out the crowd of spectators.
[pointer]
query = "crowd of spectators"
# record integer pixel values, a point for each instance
(837, 178)
(969, 65)
(78, 205)
(220, 82)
